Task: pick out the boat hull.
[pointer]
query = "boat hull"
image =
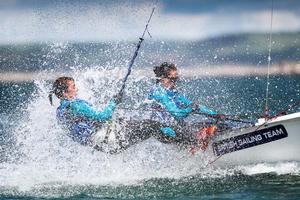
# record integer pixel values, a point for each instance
(285, 149)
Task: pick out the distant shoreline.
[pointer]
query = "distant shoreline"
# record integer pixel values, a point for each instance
(230, 70)
(214, 71)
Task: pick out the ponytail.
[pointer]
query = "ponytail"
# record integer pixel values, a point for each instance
(50, 97)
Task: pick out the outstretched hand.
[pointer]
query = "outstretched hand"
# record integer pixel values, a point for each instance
(118, 98)
(195, 107)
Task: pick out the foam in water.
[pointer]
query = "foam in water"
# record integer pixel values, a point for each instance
(46, 156)
(43, 154)
(278, 168)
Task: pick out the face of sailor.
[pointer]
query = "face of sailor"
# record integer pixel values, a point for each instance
(170, 81)
(71, 92)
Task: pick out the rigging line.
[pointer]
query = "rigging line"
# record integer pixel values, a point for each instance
(278, 114)
(227, 117)
(266, 114)
(289, 107)
(141, 39)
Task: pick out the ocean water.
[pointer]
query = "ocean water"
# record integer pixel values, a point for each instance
(38, 161)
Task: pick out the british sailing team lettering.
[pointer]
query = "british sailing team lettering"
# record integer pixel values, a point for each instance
(250, 139)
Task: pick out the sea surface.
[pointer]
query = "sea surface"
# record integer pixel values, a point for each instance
(38, 161)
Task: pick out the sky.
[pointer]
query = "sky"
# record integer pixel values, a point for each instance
(25, 21)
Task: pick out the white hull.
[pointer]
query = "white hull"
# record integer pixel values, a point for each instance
(285, 149)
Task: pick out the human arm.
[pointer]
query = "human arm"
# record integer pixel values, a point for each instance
(206, 110)
(199, 108)
(83, 109)
(184, 100)
(162, 97)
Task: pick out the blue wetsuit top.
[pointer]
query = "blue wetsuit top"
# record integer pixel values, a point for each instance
(81, 119)
(176, 105)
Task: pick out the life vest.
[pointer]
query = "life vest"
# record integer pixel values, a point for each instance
(172, 94)
(80, 128)
(159, 113)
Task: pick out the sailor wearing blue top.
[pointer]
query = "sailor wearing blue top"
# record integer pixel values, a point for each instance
(77, 115)
(83, 122)
(170, 106)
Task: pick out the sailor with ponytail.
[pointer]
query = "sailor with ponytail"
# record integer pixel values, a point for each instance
(76, 115)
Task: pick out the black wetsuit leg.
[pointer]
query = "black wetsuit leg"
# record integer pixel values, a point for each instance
(138, 131)
(185, 135)
(132, 133)
(142, 130)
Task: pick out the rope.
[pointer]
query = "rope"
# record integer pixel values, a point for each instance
(226, 117)
(282, 112)
(288, 108)
(269, 63)
(141, 39)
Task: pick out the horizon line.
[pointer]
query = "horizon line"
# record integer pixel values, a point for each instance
(189, 72)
